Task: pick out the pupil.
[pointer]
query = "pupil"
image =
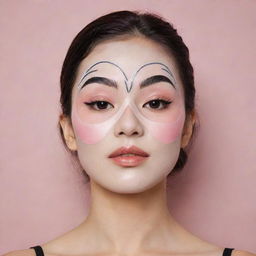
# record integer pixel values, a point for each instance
(154, 103)
(101, 104)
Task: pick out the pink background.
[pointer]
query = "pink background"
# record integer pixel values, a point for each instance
(42, 195)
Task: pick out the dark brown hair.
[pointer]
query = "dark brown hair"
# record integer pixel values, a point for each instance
(123, 23)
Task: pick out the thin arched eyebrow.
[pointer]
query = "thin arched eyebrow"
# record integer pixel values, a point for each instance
(155, 79)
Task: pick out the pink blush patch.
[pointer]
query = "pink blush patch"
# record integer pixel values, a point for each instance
(88, 133)
(166, 132)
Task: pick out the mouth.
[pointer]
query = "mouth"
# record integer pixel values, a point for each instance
(129, 156)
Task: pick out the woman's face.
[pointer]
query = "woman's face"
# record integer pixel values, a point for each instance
(128, 93)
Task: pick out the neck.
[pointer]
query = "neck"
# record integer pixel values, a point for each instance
(128, 223)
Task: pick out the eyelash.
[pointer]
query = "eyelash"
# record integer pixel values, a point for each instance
(164, 102)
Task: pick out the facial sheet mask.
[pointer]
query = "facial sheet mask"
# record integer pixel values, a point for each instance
(93, 125)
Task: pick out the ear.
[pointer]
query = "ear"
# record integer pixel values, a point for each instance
(68, 132)
(188, 129)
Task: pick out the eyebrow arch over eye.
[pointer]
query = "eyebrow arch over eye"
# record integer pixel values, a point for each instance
(155, 79)
(100, 80)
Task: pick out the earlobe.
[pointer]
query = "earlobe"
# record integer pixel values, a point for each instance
(68, 132)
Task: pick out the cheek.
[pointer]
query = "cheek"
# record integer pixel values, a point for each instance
(89, 127)
(88, 133)
(167, 132)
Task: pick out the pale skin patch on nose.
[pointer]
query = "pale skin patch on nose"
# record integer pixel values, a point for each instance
(165, 132)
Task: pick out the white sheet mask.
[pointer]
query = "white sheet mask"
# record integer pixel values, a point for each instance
(92, 125)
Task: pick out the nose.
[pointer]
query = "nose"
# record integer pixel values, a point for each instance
(128, 124)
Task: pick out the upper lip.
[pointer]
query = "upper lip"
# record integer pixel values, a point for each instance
(128, 150)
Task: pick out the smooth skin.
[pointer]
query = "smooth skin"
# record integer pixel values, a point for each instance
(128, 224)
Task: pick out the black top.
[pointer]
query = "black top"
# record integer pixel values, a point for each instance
(39, 251)
(227, 251)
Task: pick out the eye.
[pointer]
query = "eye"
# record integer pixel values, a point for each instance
(100, 105)
(156, 103)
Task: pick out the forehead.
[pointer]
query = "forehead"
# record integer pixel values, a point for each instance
(129, 54)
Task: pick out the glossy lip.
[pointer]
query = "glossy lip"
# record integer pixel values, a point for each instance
(137, 158)
(126, 161)
(128, 150)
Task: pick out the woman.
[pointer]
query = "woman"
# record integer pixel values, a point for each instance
(127, 97)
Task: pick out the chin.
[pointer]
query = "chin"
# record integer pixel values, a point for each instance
(130, 186)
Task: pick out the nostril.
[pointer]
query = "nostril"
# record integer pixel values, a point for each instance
(127, 133)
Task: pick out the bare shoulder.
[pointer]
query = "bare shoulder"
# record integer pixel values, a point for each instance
(27, 252)
(242, 253)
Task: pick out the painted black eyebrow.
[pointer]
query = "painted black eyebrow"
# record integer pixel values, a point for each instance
(155, 79)
(100, 80)
(147, 82)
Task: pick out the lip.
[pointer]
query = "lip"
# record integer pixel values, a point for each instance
(128, 150)
(120, 159)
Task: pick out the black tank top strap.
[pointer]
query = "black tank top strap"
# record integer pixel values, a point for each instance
(38, 249)
(227, 251)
